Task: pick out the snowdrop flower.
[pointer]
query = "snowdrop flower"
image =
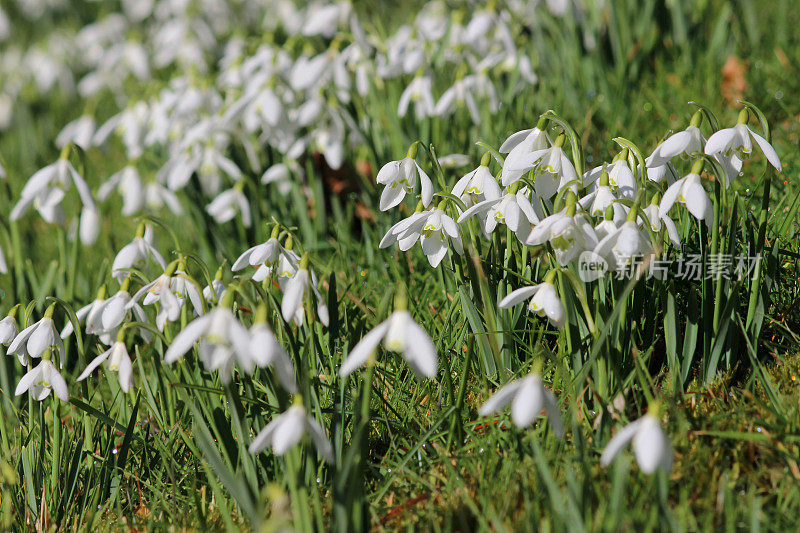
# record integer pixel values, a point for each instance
(281, 175)
(687, 142)
(435, 230)
(222, 340)
(620, 177)
(598, 200)
(544, 300)
(651, 446)
(265, 350)
(567, 232)
(228, 203)
(136, 254)
(117, 360)
(323, 19)
(89, 224)
(213, 164)
(478, 184)
(296, 292)
(657, 174)
(658, 220)
(460, 93)
(8, 327)
(478, 27)
(91, 314)
(603, 198)
(179, 169)
(527, 396)
(269, 257)
(400, 177)
(624, 245)
(512, 209)
(213, 292)
(432, 21)
(156, 196)
(329, 138)
(552, 162)
(116, 309)
(284, 270)
(265, 110)
(46, 189)
(688, 191)
(287, 430)
(399, 333)
(524, 142)
(130, 124)
(309, 72)
(169, 290)
(606, 226)
(129, 184)
(406, 232)
(738, 142)
(454, 161)
(39, 338)
(420, 93)
(43, 379)
(78, 132)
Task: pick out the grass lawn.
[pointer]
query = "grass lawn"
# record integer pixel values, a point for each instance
(193, 102)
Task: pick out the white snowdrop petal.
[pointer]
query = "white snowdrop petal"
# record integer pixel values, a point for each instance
(619, 441)
(500, 398)
(518, 296)
(527, 403)
(184, 340)
(420, 352)
(97, 361)
(363, 349)
(768, 150)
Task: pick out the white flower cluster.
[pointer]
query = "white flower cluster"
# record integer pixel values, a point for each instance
(619, 210)
(295, 93)
(293, 100)
(223, 340)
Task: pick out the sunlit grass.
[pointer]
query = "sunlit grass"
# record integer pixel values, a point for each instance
(173, 452)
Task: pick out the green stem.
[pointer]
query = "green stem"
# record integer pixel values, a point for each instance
(715, 249)
(762, 234)
(56, 454)
(455, 425)
(302, 516)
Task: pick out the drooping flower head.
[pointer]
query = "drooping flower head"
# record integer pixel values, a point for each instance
(568, 232)
(651, 446)
(544, 300)
(298, 291)
(399, 333)
(43, 379)
(402, 177)
(287, 430)
(527, 396)
(222, 340)
(116, 359)
(39, 338)
(737, 142)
